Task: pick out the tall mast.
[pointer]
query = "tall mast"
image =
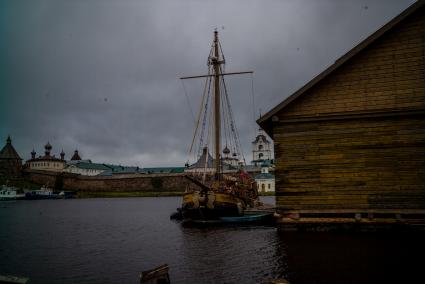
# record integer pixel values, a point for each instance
(215, 60)
(217, 119)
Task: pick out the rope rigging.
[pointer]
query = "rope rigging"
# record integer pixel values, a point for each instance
(230, 138)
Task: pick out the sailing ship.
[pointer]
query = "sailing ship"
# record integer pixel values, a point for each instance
(219, 187)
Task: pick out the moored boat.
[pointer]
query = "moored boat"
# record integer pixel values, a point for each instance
(10, 193)
(42, 193)
(219, 187)
(249, 218)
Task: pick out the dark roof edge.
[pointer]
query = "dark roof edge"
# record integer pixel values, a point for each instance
(412, 8)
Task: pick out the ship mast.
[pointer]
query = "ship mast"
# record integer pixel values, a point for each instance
(215, 60)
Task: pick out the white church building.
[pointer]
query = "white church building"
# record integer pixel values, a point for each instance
(262, 149)
(263, 156)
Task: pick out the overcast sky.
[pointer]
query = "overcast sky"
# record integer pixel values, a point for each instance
(101, 76)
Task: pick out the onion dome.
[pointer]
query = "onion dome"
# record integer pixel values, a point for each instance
(226, 151)
(47, 149)
(48, 146)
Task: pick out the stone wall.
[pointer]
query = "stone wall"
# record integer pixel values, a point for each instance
(117, 183)
(10, 168)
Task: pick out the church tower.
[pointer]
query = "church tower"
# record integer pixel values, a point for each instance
(10, 162)
(262, 149)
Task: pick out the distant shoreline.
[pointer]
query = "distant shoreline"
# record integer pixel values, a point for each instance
(112, 194)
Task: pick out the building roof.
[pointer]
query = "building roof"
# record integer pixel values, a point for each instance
(262, 137)
(75, 157)
(264, 121)
(167, 170)
(118, 169)
(264, 176)
(47, 158)
(73, 162)
(91, 166)
(8, 151)
(204, 158)
(106, 173)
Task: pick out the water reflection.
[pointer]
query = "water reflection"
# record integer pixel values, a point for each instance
(353, 258)
(232, 255)
(113, 240)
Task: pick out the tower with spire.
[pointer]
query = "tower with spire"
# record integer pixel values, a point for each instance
(10, 161)
(262, 149)
(76, 156)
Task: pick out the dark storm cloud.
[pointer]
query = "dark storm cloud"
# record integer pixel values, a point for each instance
(102, 76)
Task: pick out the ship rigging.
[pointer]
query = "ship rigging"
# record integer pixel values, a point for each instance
(220, 194)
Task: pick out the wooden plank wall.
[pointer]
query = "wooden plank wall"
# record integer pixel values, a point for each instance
(355, 142)
(389, 74)
(357, 164)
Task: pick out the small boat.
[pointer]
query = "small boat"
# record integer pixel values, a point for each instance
(43, 193)
(262, 218)
(67, 194)
(11, 193)
(157, 275)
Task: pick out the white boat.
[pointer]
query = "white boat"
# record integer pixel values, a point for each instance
(43, 193)
(10, 193)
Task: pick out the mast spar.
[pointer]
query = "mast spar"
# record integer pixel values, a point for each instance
(217, 119)
(218, 197)
(215, 60)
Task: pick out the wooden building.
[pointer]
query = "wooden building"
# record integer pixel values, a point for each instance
(350, 144)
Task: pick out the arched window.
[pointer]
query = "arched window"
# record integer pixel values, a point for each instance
(263, 187)
(260, 147)
(260, 155)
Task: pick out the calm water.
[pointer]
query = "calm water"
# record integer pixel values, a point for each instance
(112, 240)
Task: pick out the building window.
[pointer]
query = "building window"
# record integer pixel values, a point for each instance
(269, 185)
(263, 187)
(260, 147)
(260, 155)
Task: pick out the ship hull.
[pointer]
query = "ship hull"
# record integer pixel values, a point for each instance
(211, 206)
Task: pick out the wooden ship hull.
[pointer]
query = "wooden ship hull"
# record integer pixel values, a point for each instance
(211, 205)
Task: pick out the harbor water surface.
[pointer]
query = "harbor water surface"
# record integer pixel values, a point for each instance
(113, 240)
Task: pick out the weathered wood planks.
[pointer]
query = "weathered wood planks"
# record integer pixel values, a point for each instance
(355, 141)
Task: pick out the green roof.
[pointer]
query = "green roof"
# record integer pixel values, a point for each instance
(167, 170)
(118, 169)
(91, 166)
(264, 176)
